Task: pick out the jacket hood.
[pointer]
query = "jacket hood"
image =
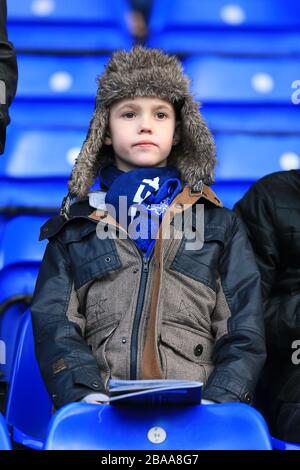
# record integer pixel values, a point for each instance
(146, 72)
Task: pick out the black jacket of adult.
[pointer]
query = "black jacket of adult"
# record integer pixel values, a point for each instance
(271, 212)
(8, 75)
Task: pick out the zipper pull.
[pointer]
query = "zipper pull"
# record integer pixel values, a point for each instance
(145, 264)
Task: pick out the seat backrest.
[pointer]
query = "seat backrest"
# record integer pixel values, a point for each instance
(20, 240)
(98, 12)
(5, 443)
(278, 444)
(28, 409)
(242, 14)
(51, 76)
(249, 157)
(41, 153)
(92, 427)
(242, 80)
(17, 282)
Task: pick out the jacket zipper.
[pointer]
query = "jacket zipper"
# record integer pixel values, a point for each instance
(137, 317)
(139, 307)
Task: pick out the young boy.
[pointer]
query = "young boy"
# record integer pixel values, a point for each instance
(110, 303)
(270, 210)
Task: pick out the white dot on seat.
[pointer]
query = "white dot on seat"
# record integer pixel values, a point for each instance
(262, 82)
(232, 14)
(60, 81)
(289, 161)
(72, 154)
(42, 7)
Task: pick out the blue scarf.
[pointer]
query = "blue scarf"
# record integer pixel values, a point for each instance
(149, 190)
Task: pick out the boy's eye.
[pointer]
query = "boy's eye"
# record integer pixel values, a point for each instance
(161, 115)
(128, 115)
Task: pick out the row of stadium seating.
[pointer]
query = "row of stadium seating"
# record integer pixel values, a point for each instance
(181, 26)
(248, 104)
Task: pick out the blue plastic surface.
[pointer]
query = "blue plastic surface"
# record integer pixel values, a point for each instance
(61, 77)
(217, 26)
(28, 193)
(227, 42)
(242, 80)
(283, 445)
(15, 280)
(20, 240)
(68, 38)
(189, 14)
(28, 410)
(69, 25)
(249, 157)
(41, 153)
(50, 114)
(227, 426)
(252, 119)
(5, 443)
(230, 192)
(67, 11)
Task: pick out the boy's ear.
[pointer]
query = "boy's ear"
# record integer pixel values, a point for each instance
(177, 133)
(107, 138)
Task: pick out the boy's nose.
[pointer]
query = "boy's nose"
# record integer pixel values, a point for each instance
(145, 126)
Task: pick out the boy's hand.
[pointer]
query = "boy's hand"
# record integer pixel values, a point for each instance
(96, 398)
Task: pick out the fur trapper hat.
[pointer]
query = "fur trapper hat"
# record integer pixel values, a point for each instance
(146, 72)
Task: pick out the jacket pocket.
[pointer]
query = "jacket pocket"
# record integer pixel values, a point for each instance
(185, 353)
(201, 264)
(98, 335)
(90, 256)
(82, 377)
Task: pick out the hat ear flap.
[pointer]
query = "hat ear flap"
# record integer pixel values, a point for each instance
(87, 163)
(196, 155)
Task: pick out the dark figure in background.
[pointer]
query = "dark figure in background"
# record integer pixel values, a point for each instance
(271, 213)
(8, 75)
(141, 10)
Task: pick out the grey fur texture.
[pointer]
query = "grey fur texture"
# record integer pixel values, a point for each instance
(146, 72)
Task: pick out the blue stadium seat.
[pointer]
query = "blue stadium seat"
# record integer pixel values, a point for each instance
(93, 427)
(262, 118)
(284, 445)
(60, 77)
(231, 191)
(5, 443)
(242, 80)
(68, 11)
(28, 409)
(31, 196)
(41, 153)
(19, 241)
(17, 282)
(50, 114)
(190, 26)
(246, 95)
(70, 25)
(249, 157)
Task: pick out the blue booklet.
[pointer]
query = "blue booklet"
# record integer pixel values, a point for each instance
(155, 392)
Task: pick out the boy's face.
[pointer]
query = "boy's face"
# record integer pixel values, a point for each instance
(138, 120)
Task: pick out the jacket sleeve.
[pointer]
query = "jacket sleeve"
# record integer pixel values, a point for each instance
(8, 75)
(239, 351)
(67, 364)
(280, 310)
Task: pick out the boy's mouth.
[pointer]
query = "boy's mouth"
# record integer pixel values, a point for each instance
(144, 143)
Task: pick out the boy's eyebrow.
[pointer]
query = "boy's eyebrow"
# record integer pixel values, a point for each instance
(136, 106)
